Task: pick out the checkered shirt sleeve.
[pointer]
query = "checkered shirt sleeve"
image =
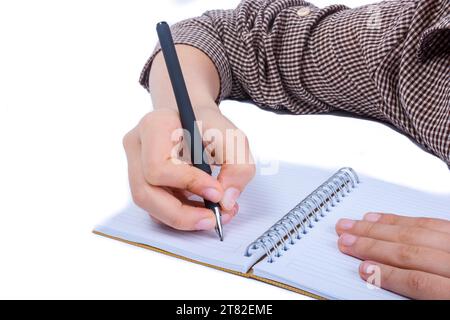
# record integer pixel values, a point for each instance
(388, 61)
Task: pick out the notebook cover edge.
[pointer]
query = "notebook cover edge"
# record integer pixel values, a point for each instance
(248, 275)
(168, 253)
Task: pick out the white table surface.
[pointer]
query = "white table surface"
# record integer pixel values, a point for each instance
(69, 92)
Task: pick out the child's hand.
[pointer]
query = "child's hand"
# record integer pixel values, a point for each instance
(412, 255)
(161, 183)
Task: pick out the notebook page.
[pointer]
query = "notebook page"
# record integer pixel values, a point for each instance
(316, 265)
(266, 199)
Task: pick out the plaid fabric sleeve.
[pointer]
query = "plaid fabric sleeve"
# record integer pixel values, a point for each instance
(200, 33)
(388, 61)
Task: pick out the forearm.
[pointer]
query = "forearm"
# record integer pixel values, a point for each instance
(376, 61)
(200, 74)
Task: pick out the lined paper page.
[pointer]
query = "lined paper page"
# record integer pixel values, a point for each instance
(266, 199)
(314, 262)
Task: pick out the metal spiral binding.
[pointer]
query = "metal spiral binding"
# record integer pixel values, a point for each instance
(297, 221)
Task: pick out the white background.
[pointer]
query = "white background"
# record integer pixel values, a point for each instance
(69, 92)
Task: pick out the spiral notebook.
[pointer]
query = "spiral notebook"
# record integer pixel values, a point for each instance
(284, 233)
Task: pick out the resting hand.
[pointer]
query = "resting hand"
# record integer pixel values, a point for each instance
(411, 254)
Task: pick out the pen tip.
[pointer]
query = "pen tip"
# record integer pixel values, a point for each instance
(219, 228)
(220, 233)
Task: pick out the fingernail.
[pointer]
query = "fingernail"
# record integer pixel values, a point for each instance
(372, 217)
(235, 209)
(364, 267)
(346, 224)
(229, 198)
(205, 224)
(226, 218)
(347, 240)
(211, 194)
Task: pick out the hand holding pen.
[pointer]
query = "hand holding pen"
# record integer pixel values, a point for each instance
(187, 116)
(159, 185)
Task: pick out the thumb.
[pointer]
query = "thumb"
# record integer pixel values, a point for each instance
(234, 178)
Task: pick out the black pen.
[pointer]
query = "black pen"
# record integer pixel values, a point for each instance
(187, 115)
